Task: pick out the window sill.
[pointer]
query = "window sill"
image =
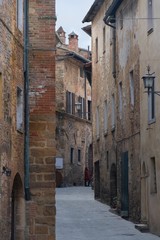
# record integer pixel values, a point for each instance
(113, 129)
(20, 130)
(151, 121)
(105, 133)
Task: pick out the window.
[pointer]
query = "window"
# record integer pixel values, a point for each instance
(131, 79)
(104, 40)
(151, 105)
(82, 110)
(97, 122)
(105, 116)
(120, 100)
(96, 49)
(113, 112)
(1, 97)
(107, 158)
(79, 155)
(81, 72)
(20, 15)
(121, 19)
(70, 102)
(153, 180)
(72, 155)
(89, 109)
(19, 109)
(150, 16)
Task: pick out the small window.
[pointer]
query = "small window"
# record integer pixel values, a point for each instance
(81, 72)
(121, 19)
(113, 112)
(104, 40)
(150, 16)
(105, 116)
(20, 15)
(153, 180)
(120, 100)
(131, 79)
(151, 106)
(89, 109)
(79, 155)
(96, 49)
(107, 159)
(97, 123)
(72, 155)
(19, 109)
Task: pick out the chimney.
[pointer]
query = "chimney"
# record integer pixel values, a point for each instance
(62, 35)
(73, 41)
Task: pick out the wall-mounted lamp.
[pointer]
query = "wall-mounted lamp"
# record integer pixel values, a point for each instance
(78, 106)
(148, 81)
(6, 171)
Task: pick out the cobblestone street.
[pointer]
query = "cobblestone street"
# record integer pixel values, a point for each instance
(80, 217)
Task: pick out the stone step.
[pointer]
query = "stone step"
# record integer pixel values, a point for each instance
(142, 227)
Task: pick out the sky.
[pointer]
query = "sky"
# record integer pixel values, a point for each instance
(70, 14)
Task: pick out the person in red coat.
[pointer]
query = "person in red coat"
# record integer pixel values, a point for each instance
(87, 178)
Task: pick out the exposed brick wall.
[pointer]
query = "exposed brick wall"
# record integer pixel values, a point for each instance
(11, 141)
(41, 208)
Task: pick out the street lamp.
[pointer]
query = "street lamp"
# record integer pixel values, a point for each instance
(78, 106)
(148, 80)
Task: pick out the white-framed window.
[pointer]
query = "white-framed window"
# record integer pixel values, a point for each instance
(19, 109)
(150, 16)
(153, 177)
(105, 116)
(131, 80)
(113, 113)
(120, 100)
(97, 122)
(151, 106)
(20, 15)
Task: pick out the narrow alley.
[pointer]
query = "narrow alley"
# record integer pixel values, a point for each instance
(80, 217)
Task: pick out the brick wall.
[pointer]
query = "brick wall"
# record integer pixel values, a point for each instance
(41, 208)
(11, 140)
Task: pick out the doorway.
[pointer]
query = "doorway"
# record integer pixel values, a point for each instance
(113, 186)
(17, 210)
(97, 179)
(124, 185)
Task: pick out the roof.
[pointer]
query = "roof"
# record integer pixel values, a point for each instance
(112, 9)
(73, 34)
(60, 29)
(87, 29)
(93, 11)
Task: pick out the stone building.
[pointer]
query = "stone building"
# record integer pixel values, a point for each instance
(73, 111)
(116, 109)
(27, 120)
(125, 132)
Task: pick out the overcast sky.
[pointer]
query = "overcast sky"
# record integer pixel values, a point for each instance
(70, 14)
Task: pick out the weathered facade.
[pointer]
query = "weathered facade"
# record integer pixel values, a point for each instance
(27, 120)
(73, 111)
(116, 110)
(126, 31)
(12, 219)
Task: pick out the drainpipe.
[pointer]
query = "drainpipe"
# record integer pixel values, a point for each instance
(26, 100)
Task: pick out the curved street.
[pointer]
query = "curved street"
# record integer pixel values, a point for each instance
(80, 217)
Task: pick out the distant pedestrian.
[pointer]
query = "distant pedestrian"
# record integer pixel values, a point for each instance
(87, 178)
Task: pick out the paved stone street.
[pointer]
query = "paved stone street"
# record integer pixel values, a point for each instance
(80, 217)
